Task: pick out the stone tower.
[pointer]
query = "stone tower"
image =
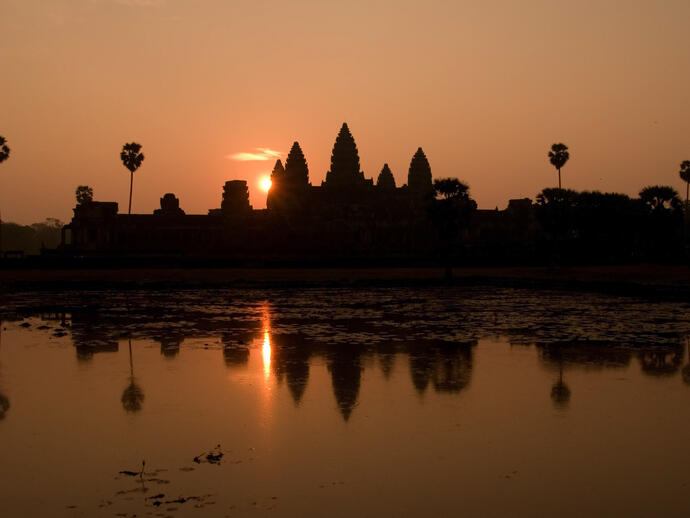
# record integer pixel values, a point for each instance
(344, 170)
(419, 176)
(296, 173)
(385, 179)
(235, 198)
(276, 185)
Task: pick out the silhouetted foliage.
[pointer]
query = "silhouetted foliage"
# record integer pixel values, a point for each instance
(450, 212)
(4, 150)
(131, 159)
(4, 155)
(660, 198)
(84, 194)
(558, 156)
(30, 239)
(685, 176)
(386, 179)
(611, 227)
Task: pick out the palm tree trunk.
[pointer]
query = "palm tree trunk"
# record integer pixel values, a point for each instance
(131, 180)
(559, 177)
(131, 363)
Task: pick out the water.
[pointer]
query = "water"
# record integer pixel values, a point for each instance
(376, 402)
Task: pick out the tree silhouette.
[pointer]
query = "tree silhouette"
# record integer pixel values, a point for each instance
(450, 213)
(685, 176)
(4, 406)
(558, 156)
(660, 198)
(84, 194)
(131, 159)
(560, 392)
(4, 150)
(4, 155)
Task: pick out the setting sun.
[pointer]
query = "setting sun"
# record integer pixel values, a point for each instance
(265, 183)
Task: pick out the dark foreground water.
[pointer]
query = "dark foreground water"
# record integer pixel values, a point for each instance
(337, 402)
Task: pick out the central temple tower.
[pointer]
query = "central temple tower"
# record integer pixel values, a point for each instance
(345, 171)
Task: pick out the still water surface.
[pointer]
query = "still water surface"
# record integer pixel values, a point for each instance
(370, 402)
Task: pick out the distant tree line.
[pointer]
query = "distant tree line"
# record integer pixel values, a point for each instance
(31, 239)
(608, 227)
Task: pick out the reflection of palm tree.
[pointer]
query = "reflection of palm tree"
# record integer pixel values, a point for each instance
(133, 396)
(686, 370)
(4, 402)
(560, 393)
(4, 405)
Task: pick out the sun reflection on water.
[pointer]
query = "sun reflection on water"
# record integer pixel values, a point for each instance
(266, 353)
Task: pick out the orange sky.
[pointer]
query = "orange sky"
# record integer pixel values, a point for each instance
(485, 87)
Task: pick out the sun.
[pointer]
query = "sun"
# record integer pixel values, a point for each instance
(265, 183)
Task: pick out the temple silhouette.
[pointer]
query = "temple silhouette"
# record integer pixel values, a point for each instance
(350, 219)
(348, 215)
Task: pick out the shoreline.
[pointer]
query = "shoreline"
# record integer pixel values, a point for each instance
(635, 280)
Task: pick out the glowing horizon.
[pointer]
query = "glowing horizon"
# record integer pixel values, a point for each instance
(484, 88)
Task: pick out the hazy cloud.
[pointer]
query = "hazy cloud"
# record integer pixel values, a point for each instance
(259, 153)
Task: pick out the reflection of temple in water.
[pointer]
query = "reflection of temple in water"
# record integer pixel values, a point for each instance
(290, 356)
(444, 366)
(345, 366)
(448, 365)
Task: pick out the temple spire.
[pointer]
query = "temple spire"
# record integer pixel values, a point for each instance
(278, 171)
(419, 176)
(344, 161)
(385, 179)
(296, 171)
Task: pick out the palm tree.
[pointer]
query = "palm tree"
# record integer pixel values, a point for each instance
(450, 212)
(660, 198)
(84, 194)
(558, 156)
(4, 155)
(131, 159)
(4, 150)
(685, 176)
